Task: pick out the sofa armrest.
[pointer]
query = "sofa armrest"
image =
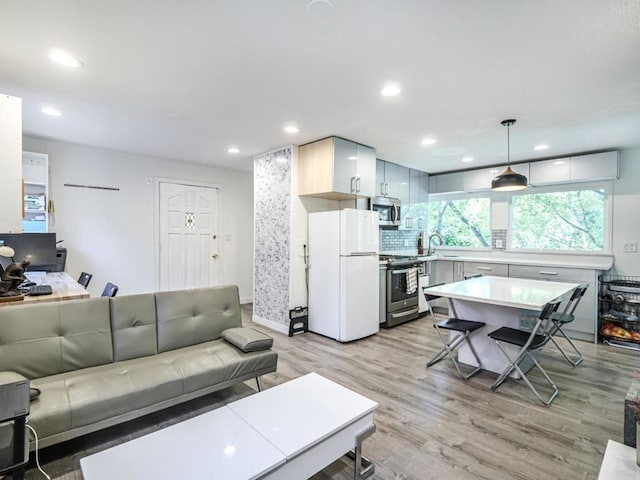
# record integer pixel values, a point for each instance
(247, 339)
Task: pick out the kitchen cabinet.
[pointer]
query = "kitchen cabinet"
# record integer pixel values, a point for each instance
(584, 325)
(593, 167)
(35, 175)
(580, 168)
(337, 169)
(481, 268)
(440, 271)
(476, 180)
(392, 180)
(414, 212)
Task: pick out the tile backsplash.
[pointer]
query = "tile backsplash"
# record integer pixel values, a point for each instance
(395, 239)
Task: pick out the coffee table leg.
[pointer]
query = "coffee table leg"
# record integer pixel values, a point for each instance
(360, 473)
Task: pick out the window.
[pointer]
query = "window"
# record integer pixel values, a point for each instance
(461, 221)
(567, 219)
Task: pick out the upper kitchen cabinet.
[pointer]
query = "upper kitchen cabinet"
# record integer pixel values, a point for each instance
(336, 168)
(477, 180)
(35, 174)
(414, 212)
(392, 180)
(581, 168)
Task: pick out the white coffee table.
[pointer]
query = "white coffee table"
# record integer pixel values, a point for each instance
(290, 431)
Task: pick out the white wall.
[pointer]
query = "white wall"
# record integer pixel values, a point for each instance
(111, 234)
(10, 164)
(626, 212)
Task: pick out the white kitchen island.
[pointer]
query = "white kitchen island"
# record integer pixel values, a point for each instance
(499, 302)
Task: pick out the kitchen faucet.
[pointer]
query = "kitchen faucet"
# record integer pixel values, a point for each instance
(437, 235)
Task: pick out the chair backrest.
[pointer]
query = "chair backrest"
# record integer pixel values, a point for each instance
(110, 290)
(576, 296)
(542, 326)
(475, 275)
(429, 296)
(84, 279)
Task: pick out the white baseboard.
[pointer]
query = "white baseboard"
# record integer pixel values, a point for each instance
(245, 300)
(278, 327)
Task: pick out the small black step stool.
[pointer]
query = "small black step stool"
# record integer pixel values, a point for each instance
(298, 320)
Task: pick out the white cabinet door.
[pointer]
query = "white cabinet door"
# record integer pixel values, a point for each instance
(597, 166)
(550, 171)
(344, 166)
(450, 182)
(380, 178)
(365, 171)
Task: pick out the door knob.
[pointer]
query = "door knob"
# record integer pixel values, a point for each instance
(214, 256)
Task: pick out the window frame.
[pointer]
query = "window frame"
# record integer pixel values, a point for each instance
(438, 197)
(607, 186)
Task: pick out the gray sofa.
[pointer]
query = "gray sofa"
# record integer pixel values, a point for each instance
(103, 361)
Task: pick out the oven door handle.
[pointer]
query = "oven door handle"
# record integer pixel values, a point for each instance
(399, 272)
(404, 314)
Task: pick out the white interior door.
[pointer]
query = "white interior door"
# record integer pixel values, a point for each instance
(189, 240)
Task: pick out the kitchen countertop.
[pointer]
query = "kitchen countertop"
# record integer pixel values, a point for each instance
(584, 262)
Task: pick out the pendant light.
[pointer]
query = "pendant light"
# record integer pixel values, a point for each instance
(508, 180)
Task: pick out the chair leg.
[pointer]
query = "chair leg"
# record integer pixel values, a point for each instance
(449, 349)
(259, 383)
(516, 366)
(576, 362)
(433, 315)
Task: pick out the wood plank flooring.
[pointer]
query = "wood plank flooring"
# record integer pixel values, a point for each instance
(433, 425)
(430, 423)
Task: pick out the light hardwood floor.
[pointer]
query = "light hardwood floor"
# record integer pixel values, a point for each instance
(433, 425)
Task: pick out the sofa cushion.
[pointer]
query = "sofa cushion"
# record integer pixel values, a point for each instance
(133, 323)
(75, 399)
(42, 339)
(247, 339)
(214, 362)
(190, 317)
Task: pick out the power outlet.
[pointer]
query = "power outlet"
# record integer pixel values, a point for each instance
(407, 242)
(498, 243)
(630, 247)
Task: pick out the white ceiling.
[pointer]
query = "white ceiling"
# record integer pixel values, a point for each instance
(187, 79)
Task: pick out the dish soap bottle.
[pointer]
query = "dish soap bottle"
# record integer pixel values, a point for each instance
(420, 247)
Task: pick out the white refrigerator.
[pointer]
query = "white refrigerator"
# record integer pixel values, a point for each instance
(343, 274)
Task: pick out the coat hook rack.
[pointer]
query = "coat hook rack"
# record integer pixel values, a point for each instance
(96, 187)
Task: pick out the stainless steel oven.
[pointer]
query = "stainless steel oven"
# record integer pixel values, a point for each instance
(388, 210)
(402, 290)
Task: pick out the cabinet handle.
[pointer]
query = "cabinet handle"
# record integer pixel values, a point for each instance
(382, 189)
(542, 272)
(488, 269)
(352, 184)
(386, 188)
(357, 184)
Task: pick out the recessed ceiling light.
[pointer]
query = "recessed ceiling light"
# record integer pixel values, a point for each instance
(233, 150)
(428, 141)
(390, 90)
(52, 112)
(467, 159)
(540, 147)
(559, 162)
(291, 129)
(65, 58)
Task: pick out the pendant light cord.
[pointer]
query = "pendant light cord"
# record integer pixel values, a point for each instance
(508, 146)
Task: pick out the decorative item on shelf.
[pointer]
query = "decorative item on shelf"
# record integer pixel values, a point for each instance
(420, 244)
(508, 180)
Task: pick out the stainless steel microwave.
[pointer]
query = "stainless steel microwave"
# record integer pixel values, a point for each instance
(388, 210)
